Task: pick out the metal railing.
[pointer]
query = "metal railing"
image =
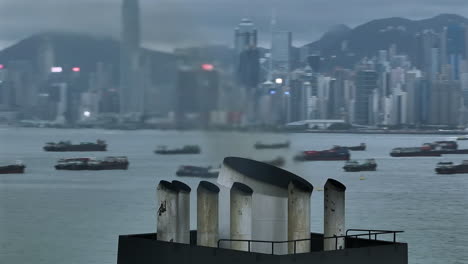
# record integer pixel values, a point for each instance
(371, 233)
(368, 233)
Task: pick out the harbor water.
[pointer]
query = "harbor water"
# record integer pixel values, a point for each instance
(75, 217)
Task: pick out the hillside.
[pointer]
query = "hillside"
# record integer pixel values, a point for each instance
(369, 38)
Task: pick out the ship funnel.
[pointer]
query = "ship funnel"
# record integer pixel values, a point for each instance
(334, 214)
(241, 215)
(183, 212)
(299, 195)
(167, 211)
(269, 199)
(207, 214)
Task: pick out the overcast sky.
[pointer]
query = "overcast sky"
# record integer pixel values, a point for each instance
(178, 23)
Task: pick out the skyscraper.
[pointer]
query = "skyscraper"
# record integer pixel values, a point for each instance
(366, 83)
(131, 92)
(246, 61)
(455, 48)
(197, 93)
(446, 98)
(249, 68)
(245, 38)
(428, 52)
(281, 43)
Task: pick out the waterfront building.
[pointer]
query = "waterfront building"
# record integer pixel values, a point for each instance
(446, 102)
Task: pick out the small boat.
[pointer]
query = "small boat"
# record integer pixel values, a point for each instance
(462, 137)
(189, 149)
(451, 168)
(354, 166)
(278, 162)
(194, 171)
(260, 145)
(17, 168)
(361, 147)
(324, 155)
(108, 163)
(64, 146)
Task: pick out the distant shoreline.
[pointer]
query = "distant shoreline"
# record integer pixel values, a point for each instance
(389, 132)
(362, 132)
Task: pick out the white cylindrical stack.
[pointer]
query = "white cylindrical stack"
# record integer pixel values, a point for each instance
(207, 214)
(183, 212)
(269, 200)
(241, 216)
(299, 216)
(334, 214)
(167, 212)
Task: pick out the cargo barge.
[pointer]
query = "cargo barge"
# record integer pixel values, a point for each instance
(108, 163)
(64, 146)
(324, 155)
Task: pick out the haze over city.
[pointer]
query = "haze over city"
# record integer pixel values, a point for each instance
(385, 72)
(180, 23)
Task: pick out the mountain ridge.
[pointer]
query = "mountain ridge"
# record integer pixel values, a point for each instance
(367, 39)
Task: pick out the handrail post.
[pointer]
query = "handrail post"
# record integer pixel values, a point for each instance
(394, 237)
(336, 242)
(272, 247)
(369, 234)
(375, 236)
(295, 247)
(249, 245)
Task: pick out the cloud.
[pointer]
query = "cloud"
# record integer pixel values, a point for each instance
(175, 23)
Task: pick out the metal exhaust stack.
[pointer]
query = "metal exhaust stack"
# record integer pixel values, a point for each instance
(334, 214)
(167, 211)
(207, 214)
(183, 212)
(269, 200)
(299, 216)
(241, 215)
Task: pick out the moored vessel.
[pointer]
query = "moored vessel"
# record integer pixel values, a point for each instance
(414, 152)
(108, 163)
(324, 155)
(260, 145)
(188, 149)
(361, 147)
(355, 166)
(64, 146)
(451, 168)
(17, 168)
(445, 147)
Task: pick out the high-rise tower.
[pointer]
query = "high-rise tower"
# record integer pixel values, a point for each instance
(247, 55)
(131, 90)
(245, 38)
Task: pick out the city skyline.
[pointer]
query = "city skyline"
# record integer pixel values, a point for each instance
(186, 24)
(387, 72)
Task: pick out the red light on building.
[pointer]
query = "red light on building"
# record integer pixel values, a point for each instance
(76, 69)
(207, 67)
(2, 66)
